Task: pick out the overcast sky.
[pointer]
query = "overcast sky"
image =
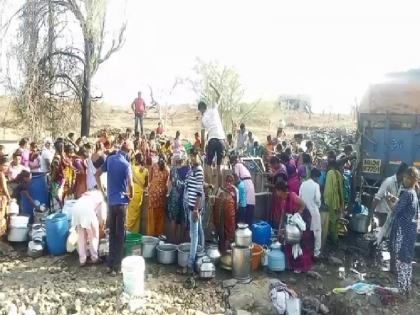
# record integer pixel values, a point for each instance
(330, 50)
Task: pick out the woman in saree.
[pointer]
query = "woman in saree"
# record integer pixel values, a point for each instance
(69, 171)
(404, 231)
(277, 172)
(226, 205)
(175, 210)
(4, 195)
(140, 180)
(57, 175)
(80, 165)
(291, 204)
(159, 181)
(334, 198)
(293, 180)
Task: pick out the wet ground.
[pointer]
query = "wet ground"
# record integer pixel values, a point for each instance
(56, 285)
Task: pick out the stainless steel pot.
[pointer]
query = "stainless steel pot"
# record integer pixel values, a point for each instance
(241, 263)
(293, 234)
(359, 223)
(166, 253)
(214, 253)
(183, 254)
(243, 235)
(148, 246)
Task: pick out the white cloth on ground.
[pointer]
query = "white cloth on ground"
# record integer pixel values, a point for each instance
(279, 293)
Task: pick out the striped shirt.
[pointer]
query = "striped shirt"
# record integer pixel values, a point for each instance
(194, 186)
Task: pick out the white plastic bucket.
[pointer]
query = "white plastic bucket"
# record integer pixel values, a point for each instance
(19, 220)
(132, 268)
(18, 233)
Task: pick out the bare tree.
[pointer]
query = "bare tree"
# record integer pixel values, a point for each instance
(91, 18)
(55, 70)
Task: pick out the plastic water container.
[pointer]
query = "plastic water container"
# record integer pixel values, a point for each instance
(57, 230)
(132, 244)
(276, 258)
(68, 209)
(261, 233)
(132, 268)
(38, 190)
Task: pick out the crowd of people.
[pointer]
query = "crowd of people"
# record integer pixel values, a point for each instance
(173, 177)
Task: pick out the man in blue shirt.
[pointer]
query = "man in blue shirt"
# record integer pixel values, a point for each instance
(119, 191)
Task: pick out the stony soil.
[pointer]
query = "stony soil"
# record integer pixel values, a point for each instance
(56, 285)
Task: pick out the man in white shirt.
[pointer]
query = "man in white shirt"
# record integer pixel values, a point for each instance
(47, 156)
(215, 135)
(385, 198)
(310, 193)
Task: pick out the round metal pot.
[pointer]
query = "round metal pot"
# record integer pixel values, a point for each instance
(226, 260)
(243, 235)
(214, 254)
(166, 253)
(293, 234)
(183, 254)
(359, 223)
(148, 246)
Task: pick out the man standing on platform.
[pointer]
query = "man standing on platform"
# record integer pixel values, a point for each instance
(139, 108)
(215, 135)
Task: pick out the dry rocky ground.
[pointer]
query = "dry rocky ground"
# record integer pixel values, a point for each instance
(56, 285)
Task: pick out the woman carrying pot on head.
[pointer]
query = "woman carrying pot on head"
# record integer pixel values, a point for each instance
(175, 210)
(404, 231)
(298, 261)
(141, 181)
(159, 181)
(243, 173)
